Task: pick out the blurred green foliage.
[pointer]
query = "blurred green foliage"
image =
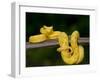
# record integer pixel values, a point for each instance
(48, 56)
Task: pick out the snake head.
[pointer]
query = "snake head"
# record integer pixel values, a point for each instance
(46, 30)
(74, 39)
(75, 34)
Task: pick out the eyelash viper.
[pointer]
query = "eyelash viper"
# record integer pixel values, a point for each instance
(71, 54)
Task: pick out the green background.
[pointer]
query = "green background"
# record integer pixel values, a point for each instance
(48, 56)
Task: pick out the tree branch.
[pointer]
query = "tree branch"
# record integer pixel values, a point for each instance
(82, 40)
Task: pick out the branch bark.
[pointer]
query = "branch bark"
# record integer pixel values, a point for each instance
(82, 40)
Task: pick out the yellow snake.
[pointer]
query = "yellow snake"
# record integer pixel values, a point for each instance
(71, 54)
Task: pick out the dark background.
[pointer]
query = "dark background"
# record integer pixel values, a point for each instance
(48, 56)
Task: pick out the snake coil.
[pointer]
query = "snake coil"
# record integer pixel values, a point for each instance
(71, 54)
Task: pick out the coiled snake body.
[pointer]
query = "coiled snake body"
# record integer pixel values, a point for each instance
(71, 54)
